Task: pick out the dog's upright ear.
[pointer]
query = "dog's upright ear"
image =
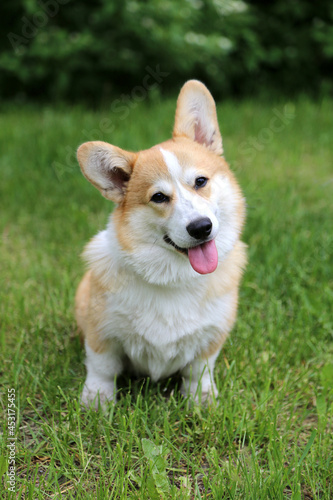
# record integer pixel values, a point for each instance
(107, 167)
(196, 116)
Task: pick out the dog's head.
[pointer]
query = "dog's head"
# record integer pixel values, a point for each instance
(180, 209)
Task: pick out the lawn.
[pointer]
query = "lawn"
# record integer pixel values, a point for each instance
(270, 437)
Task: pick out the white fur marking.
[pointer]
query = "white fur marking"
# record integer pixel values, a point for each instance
(172, 163)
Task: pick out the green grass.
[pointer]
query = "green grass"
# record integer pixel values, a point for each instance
(271, 435)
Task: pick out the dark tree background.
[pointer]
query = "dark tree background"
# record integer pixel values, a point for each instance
(93, 49)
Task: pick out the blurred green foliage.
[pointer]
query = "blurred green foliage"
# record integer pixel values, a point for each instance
(92, 49)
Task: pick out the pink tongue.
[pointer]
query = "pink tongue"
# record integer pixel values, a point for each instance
(203, 258)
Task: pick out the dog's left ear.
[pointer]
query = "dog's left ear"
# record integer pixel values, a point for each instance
(196, 116)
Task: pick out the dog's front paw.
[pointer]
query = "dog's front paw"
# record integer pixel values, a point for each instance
(200, 393)
(95, 398)
(208, 397)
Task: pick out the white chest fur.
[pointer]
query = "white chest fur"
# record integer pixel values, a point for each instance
(162, 331)
(161, 328)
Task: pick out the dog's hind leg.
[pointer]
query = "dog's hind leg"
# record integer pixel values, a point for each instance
(198, 379)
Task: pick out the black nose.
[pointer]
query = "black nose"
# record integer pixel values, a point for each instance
(200, 228)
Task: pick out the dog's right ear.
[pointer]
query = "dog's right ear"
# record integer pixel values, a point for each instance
(107, 167)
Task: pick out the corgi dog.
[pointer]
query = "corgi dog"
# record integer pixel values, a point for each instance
(161, 290)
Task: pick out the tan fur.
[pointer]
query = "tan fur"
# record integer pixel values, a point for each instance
(82, 299)
(90, 306)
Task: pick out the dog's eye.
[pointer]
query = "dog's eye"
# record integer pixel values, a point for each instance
(200, 182)
(160, 198)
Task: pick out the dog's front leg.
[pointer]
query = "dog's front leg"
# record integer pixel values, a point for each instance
(100, 387)
(198, 379)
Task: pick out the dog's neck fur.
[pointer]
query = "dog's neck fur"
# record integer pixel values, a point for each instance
(108, 260)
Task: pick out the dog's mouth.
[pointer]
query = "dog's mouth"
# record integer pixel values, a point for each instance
(203, 258)
(172, 243)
